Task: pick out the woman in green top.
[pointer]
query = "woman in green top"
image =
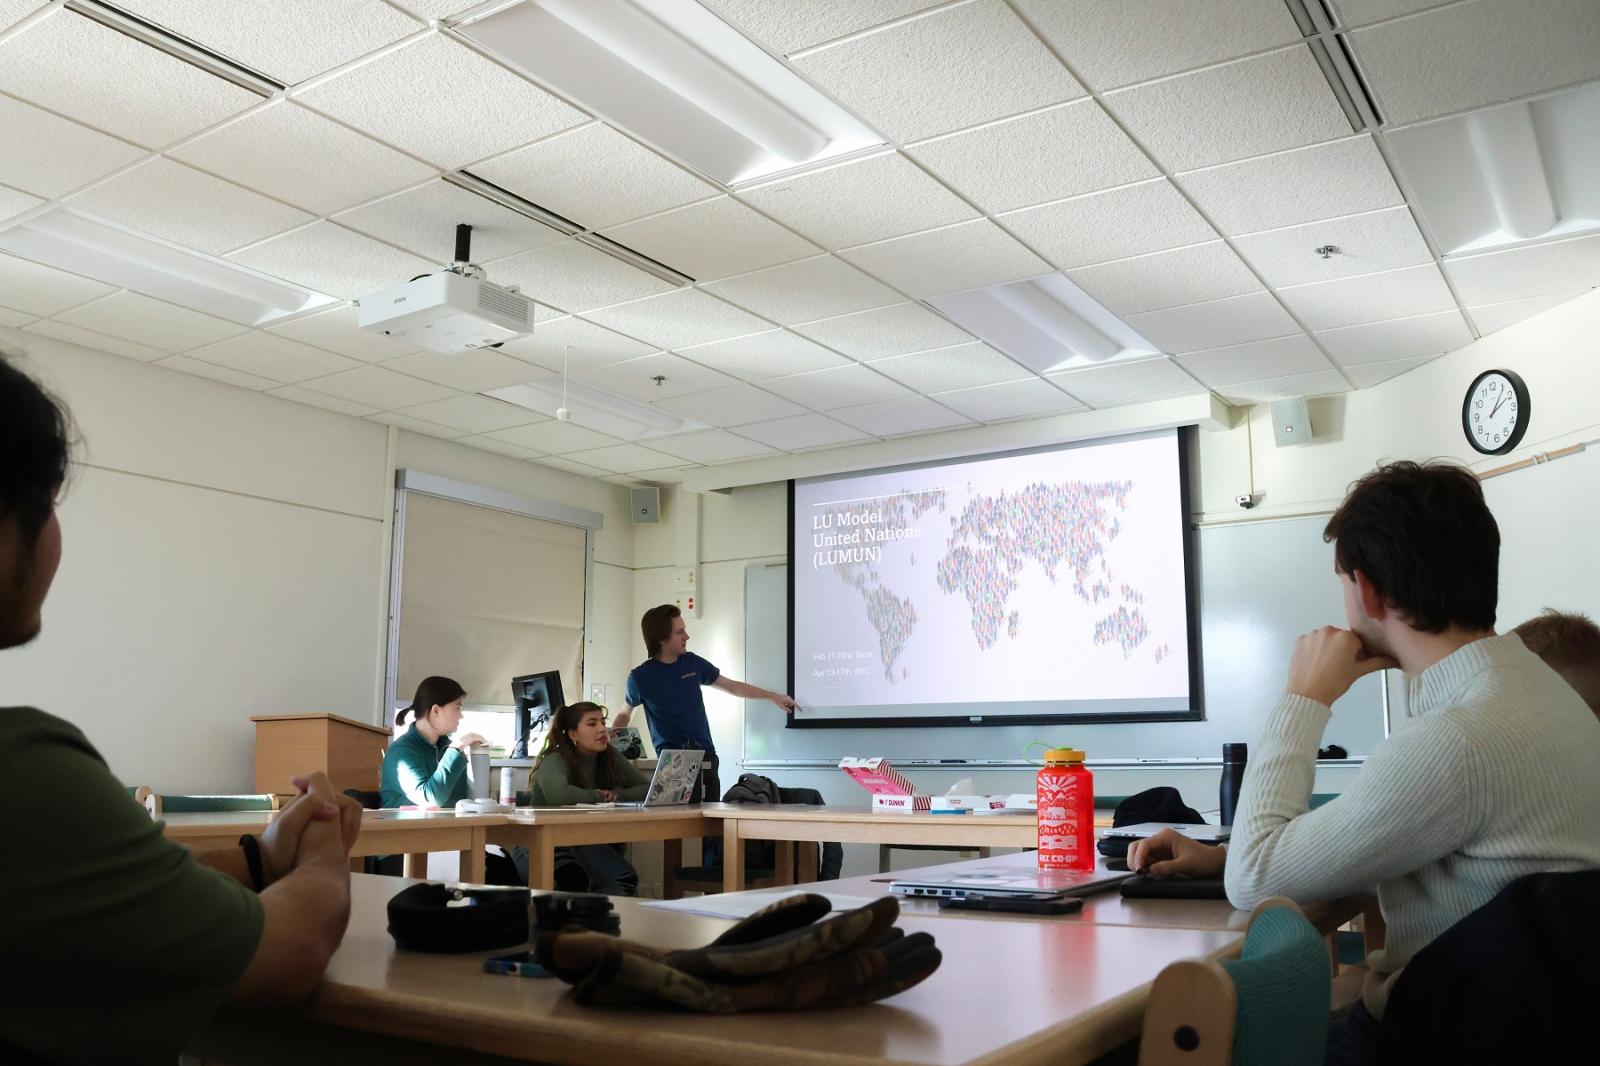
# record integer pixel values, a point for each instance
(425, 765)
(579, 765)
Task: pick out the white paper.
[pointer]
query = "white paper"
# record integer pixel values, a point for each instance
(744, 904)
(960, 788)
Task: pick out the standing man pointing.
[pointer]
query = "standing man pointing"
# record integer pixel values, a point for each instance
(668, 686)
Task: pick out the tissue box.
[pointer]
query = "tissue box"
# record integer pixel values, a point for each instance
(890, 790)
(954, 802)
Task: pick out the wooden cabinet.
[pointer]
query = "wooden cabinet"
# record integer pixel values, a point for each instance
(349, 752)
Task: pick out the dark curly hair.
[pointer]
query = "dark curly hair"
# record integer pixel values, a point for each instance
(35, 441)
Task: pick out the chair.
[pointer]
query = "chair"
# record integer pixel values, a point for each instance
(388, 865)
(160, 805)
(824, 861)
(1268, 1007)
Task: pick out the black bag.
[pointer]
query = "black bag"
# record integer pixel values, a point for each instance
(1161, 804)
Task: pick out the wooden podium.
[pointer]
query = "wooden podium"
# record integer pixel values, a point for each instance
(349, 752)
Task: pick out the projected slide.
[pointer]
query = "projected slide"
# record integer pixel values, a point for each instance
(1050, 582)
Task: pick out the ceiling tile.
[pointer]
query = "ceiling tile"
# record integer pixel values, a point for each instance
(736, 405)
(416, 425)
(1167, 279)
(575, 277)
(424, 220)
(1215, 323)
(269, 356)
(1028, 398)
(1316, 383)
(1194, 120)
(552, 436)
(636, 377)
(13, 319)
(474, 370)
(160, 197)
(1491, 317)
(1380, 240)
(151, 322)
(1469, 55)
(892, 418)
(1032, 159)
(302, 158)
(100, 342)
(333, 260)
(201, 369)
(1362, 12)
(1532, 270)
(1370, 297)
(1400, 338)
(47, 155)
(317, 399)
(713, 239)
(964, 366)
(287, 40)
(1117, 42)
(860, 201)
(845, 386)
(678, 319)
(963, 256)
(1369, 374)
(567, 465)
(380, 388)
(1255, 361)
(595, 177)
(1111, 386)
(41, 290)
(710, 446)
(953, 68)
(784, 26)
(572, 344)
(113, 82)
(803, 431)
(336, 330)
(896, 330)
(773, 354)
(1301, 185)
(473, 414)
(14, 11)
(622, 458)
(810, 289)
(499, 447)
(1135, 219)
(433, 76)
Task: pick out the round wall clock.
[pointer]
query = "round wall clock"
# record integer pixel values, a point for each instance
(1495, 414)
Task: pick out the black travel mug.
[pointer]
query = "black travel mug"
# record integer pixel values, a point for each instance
(1233, 760)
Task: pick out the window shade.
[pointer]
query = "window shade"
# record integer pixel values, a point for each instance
(487, 595)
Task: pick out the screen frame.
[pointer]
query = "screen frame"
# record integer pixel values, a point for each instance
(1187, 539)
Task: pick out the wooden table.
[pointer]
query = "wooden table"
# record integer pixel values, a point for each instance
(543, 829)
(1017, 992)
(386, 832)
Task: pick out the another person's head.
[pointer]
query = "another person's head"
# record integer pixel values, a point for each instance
(1570, 644)
(437, 704)
(664, 631)
(578, 732)
(33, 467)
(1418, 540)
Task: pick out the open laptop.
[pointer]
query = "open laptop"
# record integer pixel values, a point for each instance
(675, 781)
(1015, 884)
(1207, 834)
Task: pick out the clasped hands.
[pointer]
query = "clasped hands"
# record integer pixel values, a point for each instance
(319, 824)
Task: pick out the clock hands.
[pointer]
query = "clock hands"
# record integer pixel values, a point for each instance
(1496, 407)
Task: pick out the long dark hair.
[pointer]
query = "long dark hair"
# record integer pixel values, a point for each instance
(607, 766)
(433, 692)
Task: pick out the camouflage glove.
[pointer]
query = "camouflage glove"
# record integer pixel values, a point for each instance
(789, 956)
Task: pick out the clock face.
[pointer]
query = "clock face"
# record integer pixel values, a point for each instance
(1495, 412)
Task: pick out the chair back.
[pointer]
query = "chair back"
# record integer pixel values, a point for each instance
(160, 805)
(1268, 1007)
(370, 799)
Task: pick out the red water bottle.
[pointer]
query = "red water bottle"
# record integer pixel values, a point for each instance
(1066, 812)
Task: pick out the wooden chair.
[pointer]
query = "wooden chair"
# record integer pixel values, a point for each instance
(159, 805)
(1268, 1007)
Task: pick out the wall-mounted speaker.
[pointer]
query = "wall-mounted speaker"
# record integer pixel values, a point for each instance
(1291, 421)
(646, 506)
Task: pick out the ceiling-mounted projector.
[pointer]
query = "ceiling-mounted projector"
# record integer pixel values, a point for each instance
(455, 309)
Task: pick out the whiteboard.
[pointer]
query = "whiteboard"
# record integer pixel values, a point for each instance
(1261, 584)
(1547, 516)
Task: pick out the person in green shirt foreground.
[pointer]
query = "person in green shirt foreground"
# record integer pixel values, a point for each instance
(119, 944)
(579, 765)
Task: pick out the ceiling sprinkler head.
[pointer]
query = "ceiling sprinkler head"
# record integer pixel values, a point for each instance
(1327, 251)
(563, 414)
(659, 379)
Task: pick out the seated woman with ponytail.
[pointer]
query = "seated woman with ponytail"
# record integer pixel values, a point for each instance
(579, 765)
(425, 766)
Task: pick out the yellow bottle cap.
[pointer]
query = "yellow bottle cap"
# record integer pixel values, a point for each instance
(1063, 755)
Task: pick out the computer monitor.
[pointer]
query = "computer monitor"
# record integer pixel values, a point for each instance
(537, 697)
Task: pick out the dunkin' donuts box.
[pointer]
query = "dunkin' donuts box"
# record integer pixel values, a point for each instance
(889, 789)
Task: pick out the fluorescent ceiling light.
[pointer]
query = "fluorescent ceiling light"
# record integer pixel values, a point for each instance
(596, 409)
(1045, 323)
(196, 55)
(1507, 174)
(82, 244)
(677, 77)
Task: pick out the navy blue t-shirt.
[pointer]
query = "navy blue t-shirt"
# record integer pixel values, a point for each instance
(672, 701)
